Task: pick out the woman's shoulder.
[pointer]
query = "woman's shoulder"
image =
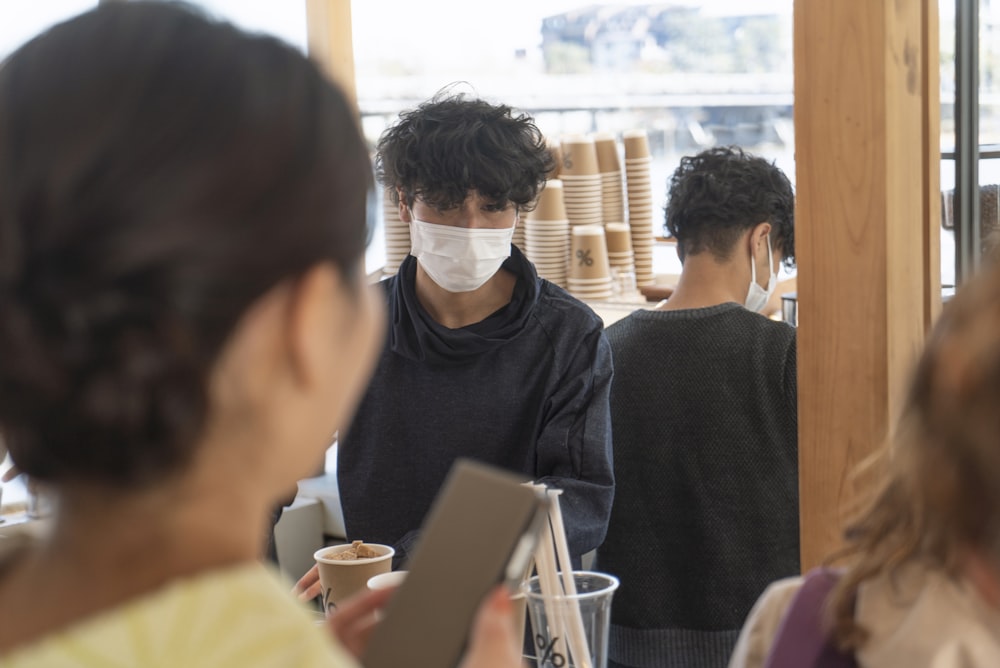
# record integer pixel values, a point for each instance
(762, 623)
(238, 616)
(928, 617)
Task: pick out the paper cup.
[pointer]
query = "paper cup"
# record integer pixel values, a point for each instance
(386, 580)
(579, 156)
(551, 203)
(589, 253)
(636, 144)
(619, 236)
(607, 152)
(555, 151)
(342, 579)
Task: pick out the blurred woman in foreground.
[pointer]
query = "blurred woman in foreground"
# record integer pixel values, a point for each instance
(183, 324)
(922, 585)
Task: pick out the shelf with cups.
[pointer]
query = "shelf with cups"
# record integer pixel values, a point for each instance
(397, 235)
(591, 229)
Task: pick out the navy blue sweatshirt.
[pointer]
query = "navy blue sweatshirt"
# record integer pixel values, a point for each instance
(526, 389)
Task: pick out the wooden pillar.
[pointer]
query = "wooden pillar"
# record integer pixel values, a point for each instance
(330, 40)
(867, 216)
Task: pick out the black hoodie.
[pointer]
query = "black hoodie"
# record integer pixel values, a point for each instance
(526, 389)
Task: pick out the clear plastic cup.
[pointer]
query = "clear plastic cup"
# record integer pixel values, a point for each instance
(564, 627)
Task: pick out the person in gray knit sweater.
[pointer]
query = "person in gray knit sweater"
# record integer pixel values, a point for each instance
(704, 426)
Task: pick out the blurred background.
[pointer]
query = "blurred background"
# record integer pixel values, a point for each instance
(691, 73)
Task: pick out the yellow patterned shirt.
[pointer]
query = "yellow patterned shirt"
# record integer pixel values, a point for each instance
(240, 617)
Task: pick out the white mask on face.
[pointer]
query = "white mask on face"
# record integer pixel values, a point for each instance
(457, 258)
(757, 296)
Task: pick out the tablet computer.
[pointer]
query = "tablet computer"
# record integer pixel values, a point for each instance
(482, 530)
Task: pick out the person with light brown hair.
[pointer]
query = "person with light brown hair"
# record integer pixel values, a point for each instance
(921, 585)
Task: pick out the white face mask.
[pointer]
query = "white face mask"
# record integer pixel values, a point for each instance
(457, 258)
(757, 296)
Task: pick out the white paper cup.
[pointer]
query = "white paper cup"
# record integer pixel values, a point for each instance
(386, 580)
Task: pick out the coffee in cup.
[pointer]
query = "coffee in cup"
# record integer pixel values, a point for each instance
(344, 570)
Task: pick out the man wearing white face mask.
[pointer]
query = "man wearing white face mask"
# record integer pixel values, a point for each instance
(483, 358)
(757, 296)
(703, 408)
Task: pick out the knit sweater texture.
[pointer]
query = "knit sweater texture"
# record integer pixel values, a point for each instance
(705, 513)
(527, 389)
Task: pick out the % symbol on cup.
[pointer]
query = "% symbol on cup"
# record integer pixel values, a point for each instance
(585, 258)
(328, 605)
(549, 655)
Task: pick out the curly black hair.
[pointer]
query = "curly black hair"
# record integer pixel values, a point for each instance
(720, 193)
(451, 144)
(159, 172)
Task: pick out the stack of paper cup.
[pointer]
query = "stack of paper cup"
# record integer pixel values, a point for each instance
(621, 257)
(397, 235)
(553, 147)
(610, 167)
(581, 180)
(640, 202)
(589, 271)
(519, 239)
(546, 233)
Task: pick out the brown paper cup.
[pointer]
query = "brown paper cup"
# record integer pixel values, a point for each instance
(619, 236)
(551, 202)
(556, 152)
(579, 156)
(343, 579)
(588, 253)
(636, 144)
(607, 152)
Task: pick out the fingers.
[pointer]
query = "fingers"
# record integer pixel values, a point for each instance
(354, 619)
(308, 587)
(10, 474)
(494, 642)
(311, 592)
(362, 604)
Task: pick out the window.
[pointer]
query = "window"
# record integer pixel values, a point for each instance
(20, 20)
(989, 126)
(692, 74)
(284, 20)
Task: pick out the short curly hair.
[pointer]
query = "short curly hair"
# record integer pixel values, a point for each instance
(452, 144)
(720, 193)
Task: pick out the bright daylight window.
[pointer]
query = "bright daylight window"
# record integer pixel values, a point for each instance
(692, 74)
(20, 20)
(989, 129)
